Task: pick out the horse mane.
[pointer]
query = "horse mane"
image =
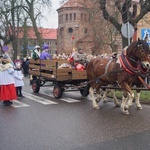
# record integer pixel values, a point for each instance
(145, 45)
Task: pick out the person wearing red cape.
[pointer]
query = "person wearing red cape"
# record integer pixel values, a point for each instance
(7, 88)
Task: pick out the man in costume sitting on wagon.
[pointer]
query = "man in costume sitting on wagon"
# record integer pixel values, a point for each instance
(80, 59)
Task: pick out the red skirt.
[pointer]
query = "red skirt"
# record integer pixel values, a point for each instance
(8, 92)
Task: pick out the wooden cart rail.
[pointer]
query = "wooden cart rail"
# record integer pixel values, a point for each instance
(51, 70)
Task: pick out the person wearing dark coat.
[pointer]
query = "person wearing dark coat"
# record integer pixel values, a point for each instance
(25, 66)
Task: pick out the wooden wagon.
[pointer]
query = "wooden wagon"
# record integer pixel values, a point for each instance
(62, 78)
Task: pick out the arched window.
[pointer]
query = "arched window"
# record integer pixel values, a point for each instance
(70, 30)
(85, 17)
(70, 17)
(74, 16)
(66, 17)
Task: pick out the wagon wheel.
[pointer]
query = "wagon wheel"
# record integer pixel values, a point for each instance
(35, 87)
(84, 91)
(57, 91)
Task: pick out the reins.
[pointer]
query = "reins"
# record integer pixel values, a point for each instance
(143, 82)
(98, 79)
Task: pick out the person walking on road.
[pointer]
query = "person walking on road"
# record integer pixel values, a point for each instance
(7, 88)
(25, 66)
(18, 77)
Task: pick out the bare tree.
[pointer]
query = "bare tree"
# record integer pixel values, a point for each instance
(33, 8)
(128, 13)
(103, 33)
(13, 15)
(9, 19)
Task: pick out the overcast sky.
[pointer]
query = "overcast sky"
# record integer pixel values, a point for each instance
(51, 18)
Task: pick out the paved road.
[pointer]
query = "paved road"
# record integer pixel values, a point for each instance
(40, 122)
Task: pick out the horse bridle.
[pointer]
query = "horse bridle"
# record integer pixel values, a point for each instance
(133, 60)
(128, 67)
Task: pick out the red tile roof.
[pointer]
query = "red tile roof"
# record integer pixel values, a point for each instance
(46, 33)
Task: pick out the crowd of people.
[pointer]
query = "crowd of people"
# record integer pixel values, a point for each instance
(76, 58)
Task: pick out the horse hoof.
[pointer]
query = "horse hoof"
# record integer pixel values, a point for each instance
(97, 107)
(126, 107)
(140, 107)
(126, 112)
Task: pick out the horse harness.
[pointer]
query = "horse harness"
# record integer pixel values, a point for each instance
(129, 68)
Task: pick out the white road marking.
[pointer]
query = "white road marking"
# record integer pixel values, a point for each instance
(38, 99)
(17, 104)
(68, 100)
(30, 96)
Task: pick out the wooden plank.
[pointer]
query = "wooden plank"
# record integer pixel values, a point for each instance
(48, 68)
(79, 77)
(49, 76)
(63, 74)
(43, 62)
(32, 61)
(63, 78)
(79, 74)
(50, 63)
(34, 72)
(33, 66)
(59, 70)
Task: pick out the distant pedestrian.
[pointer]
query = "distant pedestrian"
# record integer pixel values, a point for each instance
(18, 61)
(36, 52)
(18, 77)
(25, 66)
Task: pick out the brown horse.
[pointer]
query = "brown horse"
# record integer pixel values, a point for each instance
(123, 71)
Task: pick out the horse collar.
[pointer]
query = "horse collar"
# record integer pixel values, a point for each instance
(129, 68)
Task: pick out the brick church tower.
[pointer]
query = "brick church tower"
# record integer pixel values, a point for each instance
(73, 28)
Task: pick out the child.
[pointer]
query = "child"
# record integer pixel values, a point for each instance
(18, 77)
(7, 88)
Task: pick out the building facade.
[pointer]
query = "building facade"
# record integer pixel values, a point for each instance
(73, 28)
(49, 37)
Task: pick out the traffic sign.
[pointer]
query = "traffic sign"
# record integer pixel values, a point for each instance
(145, 32)
(127, 30)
